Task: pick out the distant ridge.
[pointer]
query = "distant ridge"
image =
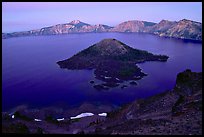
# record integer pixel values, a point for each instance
(183, 29)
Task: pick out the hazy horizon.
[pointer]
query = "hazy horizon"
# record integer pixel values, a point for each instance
(24, 16)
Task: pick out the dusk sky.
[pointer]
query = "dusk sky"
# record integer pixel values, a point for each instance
(23, 16)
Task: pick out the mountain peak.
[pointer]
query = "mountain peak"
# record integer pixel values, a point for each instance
(98, 25)
(111, 47)
(185, 20)
(164, 21)
(75, 21)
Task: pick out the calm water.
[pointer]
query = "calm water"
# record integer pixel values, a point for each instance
(31, 76)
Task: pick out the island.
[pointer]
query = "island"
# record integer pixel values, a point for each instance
(113, 62)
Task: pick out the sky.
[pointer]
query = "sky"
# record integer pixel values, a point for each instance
(24, 16)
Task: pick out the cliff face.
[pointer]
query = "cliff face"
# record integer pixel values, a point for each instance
(178, 111)
(162, 26)
(132, 26)
(183, 29)
(75, 26)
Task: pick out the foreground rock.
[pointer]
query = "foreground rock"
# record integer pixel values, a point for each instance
(113, 61)
(53, 120)
(175, 112)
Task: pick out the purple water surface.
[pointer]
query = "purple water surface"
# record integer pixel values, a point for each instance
(31, 76)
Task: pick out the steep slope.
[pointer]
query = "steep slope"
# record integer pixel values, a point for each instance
(101, 28)
(132, 26)
(75, 26)
(162, 26)
(177, 112)
(184, 29)
(112, 60)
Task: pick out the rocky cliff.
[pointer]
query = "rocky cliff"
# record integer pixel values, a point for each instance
(132, 26)
(75, 26)
(183, 29)
(174, 112)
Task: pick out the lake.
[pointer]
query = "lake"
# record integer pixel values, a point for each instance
(30, 75)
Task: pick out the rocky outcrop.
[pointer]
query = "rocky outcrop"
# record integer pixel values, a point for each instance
(113, 61)
(177, 112)
(183, 29)
(75, 26)
(101, 28)
(132, 26)
(162, 26)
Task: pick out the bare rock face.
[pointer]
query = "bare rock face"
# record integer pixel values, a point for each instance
(75, 26)
(184, 29)
(174, 112)
(132, 26)
(111, 47)
(101, 28)
(162, 26)
(112, 60)
(75, 22)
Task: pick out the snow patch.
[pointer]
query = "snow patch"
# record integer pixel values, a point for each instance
(60, 119)
(37, 120)
(137, 76)
(117, 79)
(75, 22)
(103, 114)
(107, 77)
(82, 115)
